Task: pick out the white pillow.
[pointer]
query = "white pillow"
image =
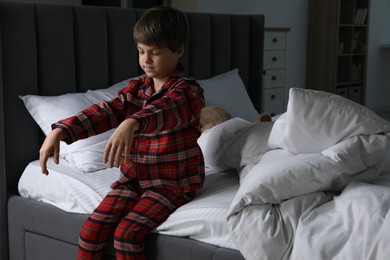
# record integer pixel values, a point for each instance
(47, 110)
(234, 144)
(108, 93)
(86, 154)
(316, 120)
(228, 91)
(212, 142)
(248, 145)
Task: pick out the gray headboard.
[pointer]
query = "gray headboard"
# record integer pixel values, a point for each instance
(54, 49)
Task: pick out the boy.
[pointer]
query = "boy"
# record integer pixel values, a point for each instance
(155, 143)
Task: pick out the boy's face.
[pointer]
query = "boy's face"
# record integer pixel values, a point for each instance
(158, 62)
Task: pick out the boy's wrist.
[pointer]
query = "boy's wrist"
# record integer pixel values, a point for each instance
(133, 123)
(59, 133)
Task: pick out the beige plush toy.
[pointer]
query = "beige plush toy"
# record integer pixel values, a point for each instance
(212, 115)
(263, 117)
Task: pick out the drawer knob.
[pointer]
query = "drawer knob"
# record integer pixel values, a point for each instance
(275, 40)
(273, 97)
(274, 59)
(273, 78)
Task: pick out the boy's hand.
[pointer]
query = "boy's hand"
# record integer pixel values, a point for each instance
(51, 146)
(120, 142)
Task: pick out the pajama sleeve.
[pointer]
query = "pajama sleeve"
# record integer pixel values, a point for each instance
(102, 116)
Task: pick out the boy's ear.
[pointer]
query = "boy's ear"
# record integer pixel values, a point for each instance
(180, 52)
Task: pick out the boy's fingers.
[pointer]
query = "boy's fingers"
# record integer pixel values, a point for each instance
(43, 161)
(45, 171)
(111, 157)
(56, 155)
(106, 152)
(118, 156)
(127, 152)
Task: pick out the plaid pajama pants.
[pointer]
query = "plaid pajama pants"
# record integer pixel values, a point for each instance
(129, 214)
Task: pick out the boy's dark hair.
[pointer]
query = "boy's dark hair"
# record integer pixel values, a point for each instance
(162, 26)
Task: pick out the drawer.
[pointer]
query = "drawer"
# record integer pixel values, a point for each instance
(355, 93)
(274, 111)
(274, 41)
(342, 92)
(274, 59)
(273, 78)
(273, 99)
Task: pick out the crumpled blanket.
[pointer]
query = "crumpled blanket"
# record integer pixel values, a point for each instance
(316, 190)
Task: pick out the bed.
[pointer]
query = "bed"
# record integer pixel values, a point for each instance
(50, 50)
(314, 183)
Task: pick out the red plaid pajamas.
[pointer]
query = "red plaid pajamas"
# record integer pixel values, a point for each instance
(129, 214)
(165, 165)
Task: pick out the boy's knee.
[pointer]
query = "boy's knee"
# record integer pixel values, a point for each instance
(130, 232)
(87, 231)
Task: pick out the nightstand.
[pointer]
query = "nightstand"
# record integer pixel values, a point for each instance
(275, 44)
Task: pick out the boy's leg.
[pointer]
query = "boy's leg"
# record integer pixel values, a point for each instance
(152, 209)
(101, 223)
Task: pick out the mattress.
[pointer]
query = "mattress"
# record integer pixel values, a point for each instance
(68, 188)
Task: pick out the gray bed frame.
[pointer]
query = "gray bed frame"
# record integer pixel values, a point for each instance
(55, 49)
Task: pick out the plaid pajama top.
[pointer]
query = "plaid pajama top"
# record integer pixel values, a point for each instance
(164, 153)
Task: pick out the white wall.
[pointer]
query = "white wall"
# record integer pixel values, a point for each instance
(278, 13)
(378, 72)
(293, 14)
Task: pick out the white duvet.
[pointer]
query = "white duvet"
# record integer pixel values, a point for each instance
(315, 191)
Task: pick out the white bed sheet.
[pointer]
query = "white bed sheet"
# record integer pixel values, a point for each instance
(68, 188)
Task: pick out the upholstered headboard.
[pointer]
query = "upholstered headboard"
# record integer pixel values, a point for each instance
(55, 49)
